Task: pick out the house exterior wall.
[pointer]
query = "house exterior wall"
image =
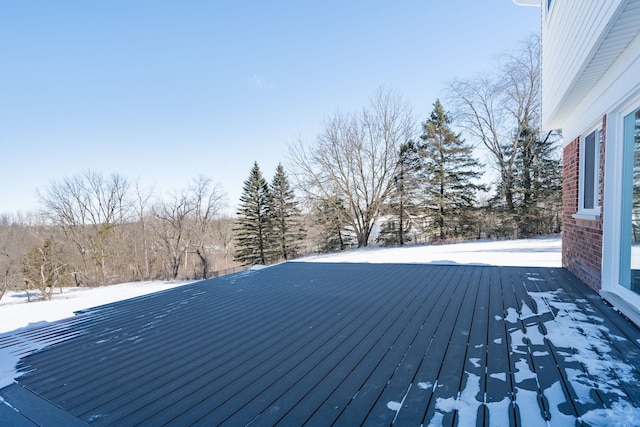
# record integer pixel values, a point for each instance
(591, 80)
(572, 32)
(581, 238)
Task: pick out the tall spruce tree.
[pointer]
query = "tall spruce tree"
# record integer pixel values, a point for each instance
(288, 231)
(403, 199)
(538, 183)
(449, 169)
(254, 239)
(330, 225)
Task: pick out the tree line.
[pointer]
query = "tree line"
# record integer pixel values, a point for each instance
(94, 229)
(374, 176)
(375, 170)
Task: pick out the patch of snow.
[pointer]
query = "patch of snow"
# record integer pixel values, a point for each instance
(424, 385)
(437, 420)
(555, 397)
(498, 341)
(523, 372)
(94, 417)
(528, 404)
(475, 361)
(534, 335)
(499, 412)
(396, 406)
(4, 402)
(581, 385)
(21, 347)
(546, 252)
(16, 313)
(621, 414)
(582, 336)
(465, 403)
(512, 315)
(502, 376)
(526, 312)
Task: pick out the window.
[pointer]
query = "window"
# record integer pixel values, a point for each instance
(589, 190)
(630, 206)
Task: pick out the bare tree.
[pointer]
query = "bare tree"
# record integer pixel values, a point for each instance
(141, 206)
(209, 199)
(15, 241)
(355, 159)
(500, 109)
(88, 207)
(185, 221)
(44, 268)
(223, 241)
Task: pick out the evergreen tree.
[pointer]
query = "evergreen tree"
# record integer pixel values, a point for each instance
(403, 197)
(329, 223)
(538, 184)
(288, 231)
(448, 169)
(254, 240)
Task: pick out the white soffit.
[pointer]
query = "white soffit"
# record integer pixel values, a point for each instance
(623, 29)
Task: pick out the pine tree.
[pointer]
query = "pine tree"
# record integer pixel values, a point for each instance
(254, 240)
(538, 184)
(330, 225)
(288, 231)
(448, 168)
(403, 197)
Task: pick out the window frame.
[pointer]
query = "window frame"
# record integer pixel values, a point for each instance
(593, 212)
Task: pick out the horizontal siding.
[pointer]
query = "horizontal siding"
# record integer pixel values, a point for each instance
(571, 34)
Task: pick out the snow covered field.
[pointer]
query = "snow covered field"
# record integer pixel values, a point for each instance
(542, 252)
(16, 313)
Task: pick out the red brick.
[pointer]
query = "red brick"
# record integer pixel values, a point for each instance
(581, 239)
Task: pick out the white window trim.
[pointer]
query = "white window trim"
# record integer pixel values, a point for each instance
(611, 227)
(593, 213)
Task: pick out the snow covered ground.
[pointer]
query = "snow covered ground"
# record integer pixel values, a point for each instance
(16, 313)
(542, 252)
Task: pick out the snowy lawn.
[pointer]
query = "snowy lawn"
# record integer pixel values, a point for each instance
(16, 313)
(542, 252)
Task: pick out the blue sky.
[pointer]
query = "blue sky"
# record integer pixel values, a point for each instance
(163, 91)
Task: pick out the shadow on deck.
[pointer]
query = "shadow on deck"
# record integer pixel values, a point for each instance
(344, 344)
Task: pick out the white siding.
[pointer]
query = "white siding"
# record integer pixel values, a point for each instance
(573, 30)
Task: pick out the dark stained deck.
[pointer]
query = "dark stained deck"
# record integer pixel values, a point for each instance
(343, 344)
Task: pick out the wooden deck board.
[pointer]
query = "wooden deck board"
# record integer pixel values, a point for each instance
(343, 344)
(620, 334)
(307, 405)
(420, 400)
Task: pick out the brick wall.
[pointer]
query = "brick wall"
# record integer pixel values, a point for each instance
(581, 238)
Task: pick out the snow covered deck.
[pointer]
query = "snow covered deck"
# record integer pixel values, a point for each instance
(341, 343)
